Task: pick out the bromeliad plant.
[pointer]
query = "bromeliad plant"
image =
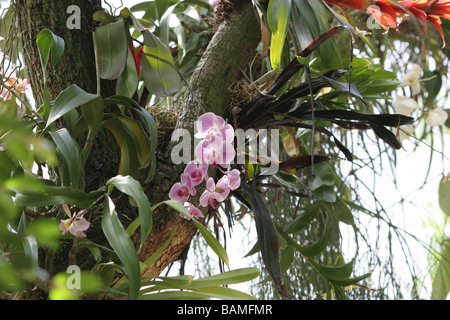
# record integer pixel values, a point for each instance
(276, 108)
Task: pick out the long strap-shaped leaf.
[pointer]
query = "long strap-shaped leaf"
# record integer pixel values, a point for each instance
(71, 153)
(45, 41)
(158, 70)
(112, 49)
(267, 236)
(72, 97)
(122, 246)
(278, 16)
(131, 187)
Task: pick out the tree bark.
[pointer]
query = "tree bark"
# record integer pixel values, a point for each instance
(229, 51)
(77, 65)
(231, 48)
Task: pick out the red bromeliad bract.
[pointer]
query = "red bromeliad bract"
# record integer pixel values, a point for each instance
(389, 14)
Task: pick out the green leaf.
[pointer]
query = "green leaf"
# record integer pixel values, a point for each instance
(304, 219)
(164, 21)
(45, 231)
(127, 83)
(133, 142)
(129, 162)
(122, 246)
(341, 211)
(175, 295)
(211, 286)
(225, 293)
(253, 250)
(182, 281)
(158, 70)
(310, 251)
(47, 40)
(278, 16)
(71, 153)
(31, 248)
(376, 86)
(287, 258)
(150, 126)
(34, 193)
(323, 175)
(212, 242)
(441, 279)
(444, 196)
(93, 114)
(9, 279)
(314, 16)
(72, 97)
(90, 283)
(112, 49)
(227, 278)
(160, 75)
(433, 85)
(352, 281)
(131, 187)
(60, 290)
(325, 193)
(319, 245)
(336, 272)
(121, 100)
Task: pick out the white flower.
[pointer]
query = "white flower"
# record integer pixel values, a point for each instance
(415, 68)
(437, 117)
(412, 79)
(405, 132)
(415, 88)
(405, 105)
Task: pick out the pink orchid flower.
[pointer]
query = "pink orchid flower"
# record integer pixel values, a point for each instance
(217, 152)
(213, 194)
(75, 226)
(231, 180)
(193, 211)
(197, 172)
(210, 126)
(182, 190)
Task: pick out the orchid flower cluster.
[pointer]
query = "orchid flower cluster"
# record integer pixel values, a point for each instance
(215, 149)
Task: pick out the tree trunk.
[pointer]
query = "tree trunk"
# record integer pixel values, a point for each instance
(77, 65)
(229, 51)
(231, 48)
